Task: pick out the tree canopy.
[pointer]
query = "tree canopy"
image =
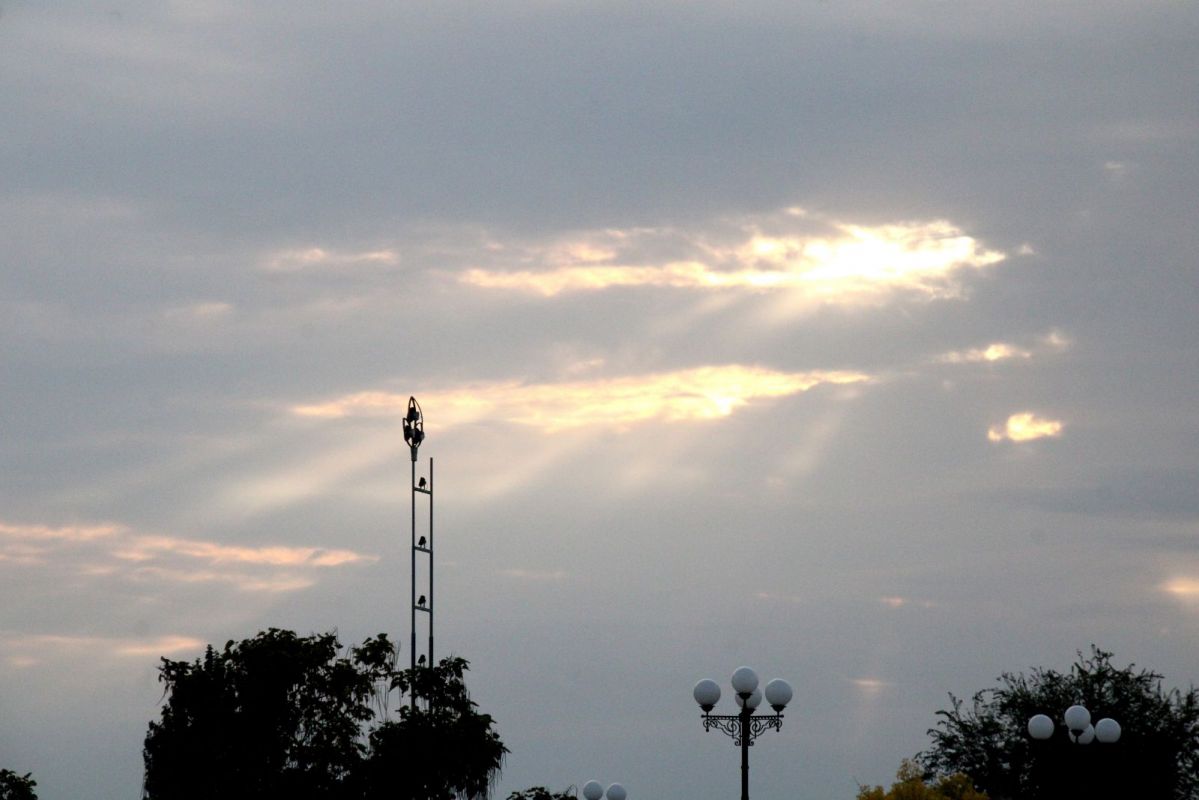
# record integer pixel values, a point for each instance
(16, 787)
(542, 793)
(281, 715)
(910, 784)
(1156, 758)
(439, 749)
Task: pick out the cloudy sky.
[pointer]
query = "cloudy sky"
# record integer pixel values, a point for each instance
(854, 341)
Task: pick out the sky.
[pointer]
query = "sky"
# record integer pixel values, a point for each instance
(852, 341)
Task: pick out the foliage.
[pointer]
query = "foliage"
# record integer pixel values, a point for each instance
(270, 716)
(910, 785)
(542, 793)
(281, 715)
(451, 750)
(1157, 756)
(16, 787)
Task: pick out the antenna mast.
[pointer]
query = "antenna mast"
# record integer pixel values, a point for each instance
(414, 434)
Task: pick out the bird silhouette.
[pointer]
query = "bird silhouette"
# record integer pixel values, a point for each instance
(421, 542)
(421, 601)
(421, 661)
(421, 484)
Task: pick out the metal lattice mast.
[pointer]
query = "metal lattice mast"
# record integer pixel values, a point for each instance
(414, 434)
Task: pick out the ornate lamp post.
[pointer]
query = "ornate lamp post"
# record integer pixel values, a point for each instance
(1065, 767)
(1077, 721)
(744, 727)
(594, 790)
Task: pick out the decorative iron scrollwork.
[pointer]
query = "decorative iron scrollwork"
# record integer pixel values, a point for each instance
(731, 725)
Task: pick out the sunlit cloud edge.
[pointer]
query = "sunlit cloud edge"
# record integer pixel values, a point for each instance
(686, 395)
(111, 551)
(1025, 426)
(849, 264)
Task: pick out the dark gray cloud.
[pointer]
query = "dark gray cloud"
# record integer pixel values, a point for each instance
(1157, 494)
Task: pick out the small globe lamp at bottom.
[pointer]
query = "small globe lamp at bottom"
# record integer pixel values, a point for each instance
(594, 790)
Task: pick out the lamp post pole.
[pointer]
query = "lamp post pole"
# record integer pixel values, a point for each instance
(745, 712)
(743, 727)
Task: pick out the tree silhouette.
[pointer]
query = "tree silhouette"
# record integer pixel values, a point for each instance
(16, 787)
(281, 715)
(1156, 758)
(448, 749)
(542, 793)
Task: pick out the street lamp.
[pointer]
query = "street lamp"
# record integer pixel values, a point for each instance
(1060, 768)
(1077, 721)
(744, 727)
(594, 790)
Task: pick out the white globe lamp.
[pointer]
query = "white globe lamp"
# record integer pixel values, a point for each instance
(1107, 730)
(753, 701)
(1040, 727)
(706, 693)
(778, 694)
(745, 680)
(1077, 718)
(617, 792)
(593, 790)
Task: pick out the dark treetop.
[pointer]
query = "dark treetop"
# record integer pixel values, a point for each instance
(281, 715)
(1156, 758)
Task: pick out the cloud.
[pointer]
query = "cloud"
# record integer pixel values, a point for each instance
(997, 351)
(28, 650)
(156, 646)
(277, 582)
(316, 257)
(114, 552)
(1054, 342)
(823, 261)
(994, 352)
(65, 533)
(145, 548)
(1025, 427)
(700, 393)
(1183, 588)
